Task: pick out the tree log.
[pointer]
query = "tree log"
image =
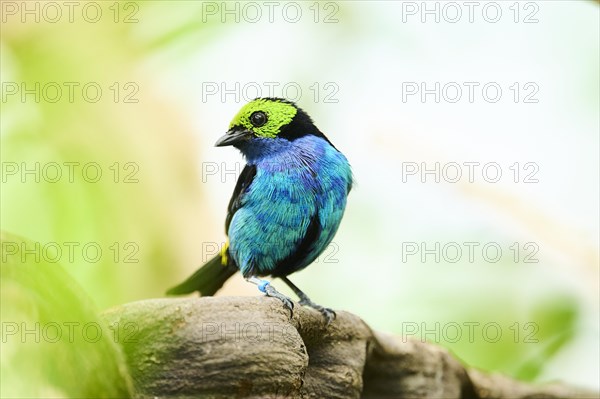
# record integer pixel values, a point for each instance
(240, 347)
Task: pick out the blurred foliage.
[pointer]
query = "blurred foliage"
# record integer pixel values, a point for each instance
(557, 326)
(54, 344)
(140, 212)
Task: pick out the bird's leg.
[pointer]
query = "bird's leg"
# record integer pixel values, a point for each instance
(266, 287)
(305, 301)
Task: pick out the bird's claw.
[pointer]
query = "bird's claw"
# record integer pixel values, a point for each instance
(329, 314)
(287, 302)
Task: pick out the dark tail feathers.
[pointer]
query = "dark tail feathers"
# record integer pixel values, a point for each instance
(207, 280)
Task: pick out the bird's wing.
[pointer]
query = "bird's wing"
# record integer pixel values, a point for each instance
(241, 186)
(298, 256)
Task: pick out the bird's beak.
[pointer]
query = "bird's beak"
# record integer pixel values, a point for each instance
(234, 136)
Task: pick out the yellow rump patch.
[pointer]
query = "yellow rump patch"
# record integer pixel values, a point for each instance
(224, 257)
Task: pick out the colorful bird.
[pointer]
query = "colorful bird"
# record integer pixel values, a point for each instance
(287, 204)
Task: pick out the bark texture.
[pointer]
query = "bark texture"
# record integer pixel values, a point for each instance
(240, 347)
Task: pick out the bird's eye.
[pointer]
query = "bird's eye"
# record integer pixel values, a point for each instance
(258, 118)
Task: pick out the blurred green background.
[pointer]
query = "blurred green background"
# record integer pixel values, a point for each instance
(140, 92)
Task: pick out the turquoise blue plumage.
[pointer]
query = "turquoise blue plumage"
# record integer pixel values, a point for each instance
(287, 204)
(295, 183)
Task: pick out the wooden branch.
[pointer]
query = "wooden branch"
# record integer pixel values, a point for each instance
(244, 347)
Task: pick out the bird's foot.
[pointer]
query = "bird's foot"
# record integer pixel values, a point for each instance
(305, 301)
(269, 290)
(272, 292)
(329, 314)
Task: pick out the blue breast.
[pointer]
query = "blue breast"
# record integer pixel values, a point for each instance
(296, 182)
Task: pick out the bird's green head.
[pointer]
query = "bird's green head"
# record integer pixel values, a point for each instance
(268, 119)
